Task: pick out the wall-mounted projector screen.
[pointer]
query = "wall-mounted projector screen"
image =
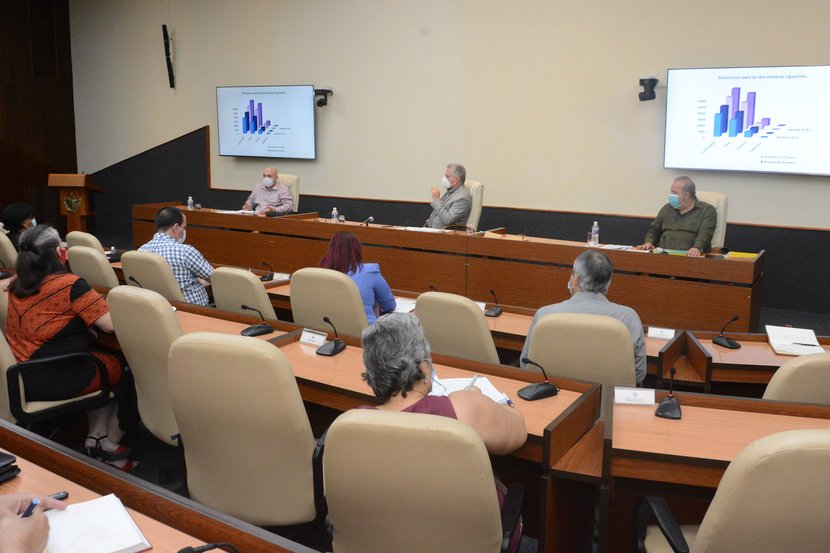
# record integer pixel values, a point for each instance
(266, 121)
(760, 119)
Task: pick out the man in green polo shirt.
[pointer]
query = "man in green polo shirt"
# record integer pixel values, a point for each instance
(685, 223)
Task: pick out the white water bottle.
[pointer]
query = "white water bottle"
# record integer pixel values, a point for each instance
(334, 215)
(190, 202)
(595, 234)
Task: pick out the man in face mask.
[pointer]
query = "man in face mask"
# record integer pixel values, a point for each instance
(269, 197)
(685, 223)
(454, 206)
(588, 286)
(191, 269)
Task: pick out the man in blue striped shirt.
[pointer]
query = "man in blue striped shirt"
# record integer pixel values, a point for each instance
(191, 269)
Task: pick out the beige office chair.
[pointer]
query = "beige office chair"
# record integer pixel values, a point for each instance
(804, 379)
(318, 293)
(476, 190)
(78, 238)
(8, 255)
(595, 348)
(376, 468)
(4, 309)
(292, 183)
(773, 497)
(233, 288)
(720, 201)
(92, 266)
(455, 325)
(247, 440)
(152, 272)
(146, 327)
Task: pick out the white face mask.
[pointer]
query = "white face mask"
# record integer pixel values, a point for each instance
(268, 182)
(34, 222)
(570, 288)
(445, 182)
(182, 238)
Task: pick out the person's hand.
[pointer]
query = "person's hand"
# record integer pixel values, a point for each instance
(16, 503)
(24, 535)
(262, 214)
(436, 192)
(646, 246)
(246, 207)
(694, 252)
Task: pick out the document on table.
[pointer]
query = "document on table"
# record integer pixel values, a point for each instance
(101, 525)
(236, 212)
(404, 305)
(446, 386)
(792, 341)
(427, 229)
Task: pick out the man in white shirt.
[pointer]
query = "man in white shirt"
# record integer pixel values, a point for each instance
(270, 197)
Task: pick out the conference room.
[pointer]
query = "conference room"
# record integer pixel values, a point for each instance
(497, 89)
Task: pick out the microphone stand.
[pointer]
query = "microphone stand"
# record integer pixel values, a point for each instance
(132, 279)
(723, 341)
(258, 329)
(332, 348)
(540, 390)
(269, 276)
(494, 311)
(669, 408)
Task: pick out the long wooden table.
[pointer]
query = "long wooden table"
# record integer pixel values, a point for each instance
(666, 290)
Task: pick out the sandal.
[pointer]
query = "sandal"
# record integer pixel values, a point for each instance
(129, 466)
(99, 452)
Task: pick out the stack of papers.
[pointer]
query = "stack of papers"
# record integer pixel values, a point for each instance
(793, 341)
(102, 525)
(404, 305)
(446, 386)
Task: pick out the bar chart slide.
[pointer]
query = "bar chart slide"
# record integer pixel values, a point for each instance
(273, 121)
(764, 119)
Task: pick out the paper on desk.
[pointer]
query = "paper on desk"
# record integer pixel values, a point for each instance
(427, 229)
(236, 212)
(785, 340)
(101, 525)
(615, 247)
(404, 305)
(446, 386)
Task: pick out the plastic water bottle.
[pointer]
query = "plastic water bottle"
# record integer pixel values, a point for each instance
(595, 234)
(190, 202)
(334, 215)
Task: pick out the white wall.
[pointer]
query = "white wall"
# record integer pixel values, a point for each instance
(537, 98)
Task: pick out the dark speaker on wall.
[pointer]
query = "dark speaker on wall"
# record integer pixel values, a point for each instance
(170, 76)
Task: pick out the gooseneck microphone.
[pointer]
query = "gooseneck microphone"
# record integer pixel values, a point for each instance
(433, 288)
(669, 408)
(131, 278)
(269, 276)
(368, 220)
(258, 329)
(722, 340)
(209, 547)
(524, 232)
(494, 311)
(540, 390)
(332, 348)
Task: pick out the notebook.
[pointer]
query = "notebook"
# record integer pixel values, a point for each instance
(101, 525)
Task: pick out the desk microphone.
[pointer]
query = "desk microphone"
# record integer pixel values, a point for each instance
(669, 408)
(269, 276)
(209, 547)
(256, 330)
(131, 278)
(433, 288)
(4, 273)
(722, 340)
(494, 311)
(368, 220)
(330, 349)
(524, 232)
(540, 390)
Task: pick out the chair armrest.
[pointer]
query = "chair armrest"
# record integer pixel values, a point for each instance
(513, 506)
(15, 393)
(656, 506)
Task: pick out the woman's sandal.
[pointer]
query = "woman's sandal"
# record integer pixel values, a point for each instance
(129, 466)
(99, 452)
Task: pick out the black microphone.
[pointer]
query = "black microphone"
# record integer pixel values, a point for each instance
(332, 348)
(132, 279)
(722, 340)
(259, 329)
(269, 276)
(494, 311)
(433, 288)
(540, 390)
(669, 408)
(209, 547)
(368, 220)
(4, 273)
(524, 232)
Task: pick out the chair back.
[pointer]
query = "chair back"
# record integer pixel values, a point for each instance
(375, 467)
(92, 266)
(476, 190)
(8, 255)
(318, 293)
(152, 272)
(804, 379)
(4, 310)
(247, 440)
(7, 359)
(233, 288)
(292, 183)
(147, 326)
(772, 497)
(455, 325)
(720, 202)
(596, 348)
(78, 238)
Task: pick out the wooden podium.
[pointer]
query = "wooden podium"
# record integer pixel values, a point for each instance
(74, 198)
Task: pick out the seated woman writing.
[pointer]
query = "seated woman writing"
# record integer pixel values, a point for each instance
(50, 313)
(345, 254)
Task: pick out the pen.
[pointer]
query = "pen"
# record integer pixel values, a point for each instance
(510, 402)
(472, 383)
(31, 508)
(803, 344)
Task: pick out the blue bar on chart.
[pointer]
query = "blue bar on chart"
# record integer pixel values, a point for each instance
(252, 121)
(721, 120)
(738, 117)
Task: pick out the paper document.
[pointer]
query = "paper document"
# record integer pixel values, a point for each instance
(101, 525)
(237, 212)
(404, 305)
(615, 247)
(427, 229)
(792, 341)
(446, 386)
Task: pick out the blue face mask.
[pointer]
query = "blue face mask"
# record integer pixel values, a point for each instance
(674, 201)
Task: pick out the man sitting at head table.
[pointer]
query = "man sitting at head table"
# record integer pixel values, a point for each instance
(588, 286)
(454, 206)
(685, 223)
(191, 269)
(270, 197)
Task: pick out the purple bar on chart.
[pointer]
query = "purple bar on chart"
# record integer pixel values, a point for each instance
(252, 112)
(268, 123)
(246, 122)
(736, 100)
(765, 122)
(750, 108)
(259, 112)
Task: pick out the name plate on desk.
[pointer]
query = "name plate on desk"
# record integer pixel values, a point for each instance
(657, 332)
(313, 337)
(634, 396)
